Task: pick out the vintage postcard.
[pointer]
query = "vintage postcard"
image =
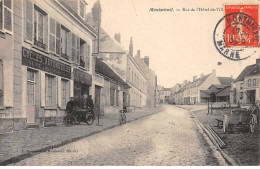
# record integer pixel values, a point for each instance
(129, 83)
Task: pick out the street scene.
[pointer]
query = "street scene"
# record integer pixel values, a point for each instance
(129, 83)
(173, 140)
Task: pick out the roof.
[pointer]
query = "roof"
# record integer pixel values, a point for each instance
(224, 92)
(242, 75)
(225, 80)
(79, 18)
(254, 71)
(219, 86)
(103, 69)
(204, 94)
(108, 45)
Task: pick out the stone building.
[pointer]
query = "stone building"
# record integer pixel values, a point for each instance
(46, 57)
(246, 88)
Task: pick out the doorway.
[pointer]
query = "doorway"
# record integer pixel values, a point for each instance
(30, 96)
(97, 99)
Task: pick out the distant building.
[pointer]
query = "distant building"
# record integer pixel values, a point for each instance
(167, 93)
(245, 88)
(151, 80)
(173, 93)
(197, 91)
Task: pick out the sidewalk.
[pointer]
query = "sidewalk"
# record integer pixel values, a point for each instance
(24, 143)
(242, 146)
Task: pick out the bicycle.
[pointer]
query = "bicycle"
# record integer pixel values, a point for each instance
(122, 117)
(70, 120)
(84, 115)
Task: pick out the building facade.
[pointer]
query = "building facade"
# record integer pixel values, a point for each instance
(51, 60)
(245, 88)
(151, 80)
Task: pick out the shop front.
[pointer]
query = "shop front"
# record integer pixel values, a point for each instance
(82, 83)
(46, 88)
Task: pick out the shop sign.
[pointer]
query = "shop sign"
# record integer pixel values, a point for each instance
(38, 61)
(82, 77)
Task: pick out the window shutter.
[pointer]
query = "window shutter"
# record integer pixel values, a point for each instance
(29, 21)
(58, 34)
(88, 56)
(52, 37)
(69, 45)
(8, 12)
(73, 47)
(1, 15)
(78, 49)
(46, 31)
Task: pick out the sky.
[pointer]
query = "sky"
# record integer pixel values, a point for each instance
(179, 44)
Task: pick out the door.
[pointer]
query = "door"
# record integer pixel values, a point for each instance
(30, 107)
(97, 99)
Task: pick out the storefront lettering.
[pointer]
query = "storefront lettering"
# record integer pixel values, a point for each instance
(36, 60)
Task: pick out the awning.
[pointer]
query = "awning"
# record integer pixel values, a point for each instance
(204, 94)
(103, 69)
(82, 77)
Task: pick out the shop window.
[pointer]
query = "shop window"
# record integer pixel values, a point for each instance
(64, 42)
(112, 97)
(82, 9)
(1, 84)
(249, 82)
(6, 13)
(50, 90)
(64, 92)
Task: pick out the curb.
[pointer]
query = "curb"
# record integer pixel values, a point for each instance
(227, 159)
(62, 143)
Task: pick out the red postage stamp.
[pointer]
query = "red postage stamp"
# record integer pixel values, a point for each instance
(241, 26)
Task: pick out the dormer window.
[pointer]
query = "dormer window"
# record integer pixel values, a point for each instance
(82, 9)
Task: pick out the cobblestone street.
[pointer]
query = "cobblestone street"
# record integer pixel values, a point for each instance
(169, 137)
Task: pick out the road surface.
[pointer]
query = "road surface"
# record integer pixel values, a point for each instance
(170, 137)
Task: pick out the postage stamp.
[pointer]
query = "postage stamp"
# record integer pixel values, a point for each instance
(236, 35)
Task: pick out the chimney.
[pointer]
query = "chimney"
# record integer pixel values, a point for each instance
(117, 37)
(214, 71)
(257, 61)
(131, 48)
(139, 53)
(194, 78)
(231, 77)
(146, 60)
(185, 82)
(201, 75)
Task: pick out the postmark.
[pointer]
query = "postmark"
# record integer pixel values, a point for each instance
(236, 35)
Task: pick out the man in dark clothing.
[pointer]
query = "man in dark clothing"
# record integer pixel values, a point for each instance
(70, 106)
(90, 104)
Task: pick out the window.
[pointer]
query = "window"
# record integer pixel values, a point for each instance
(83, 46)
(6, 13)
(249, 82)
(242, 85)
(64, 92)
(50, 90)
(1, 84)
(112, 96)
(64, 42)
(255, 82)
(82, 9)
(38, 26)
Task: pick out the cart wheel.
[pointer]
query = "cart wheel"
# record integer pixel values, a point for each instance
(73, 120)
(89, 119)
(253, 123)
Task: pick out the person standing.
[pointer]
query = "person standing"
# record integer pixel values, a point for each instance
(90, 104)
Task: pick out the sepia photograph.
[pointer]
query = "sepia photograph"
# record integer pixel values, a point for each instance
(129, 83)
